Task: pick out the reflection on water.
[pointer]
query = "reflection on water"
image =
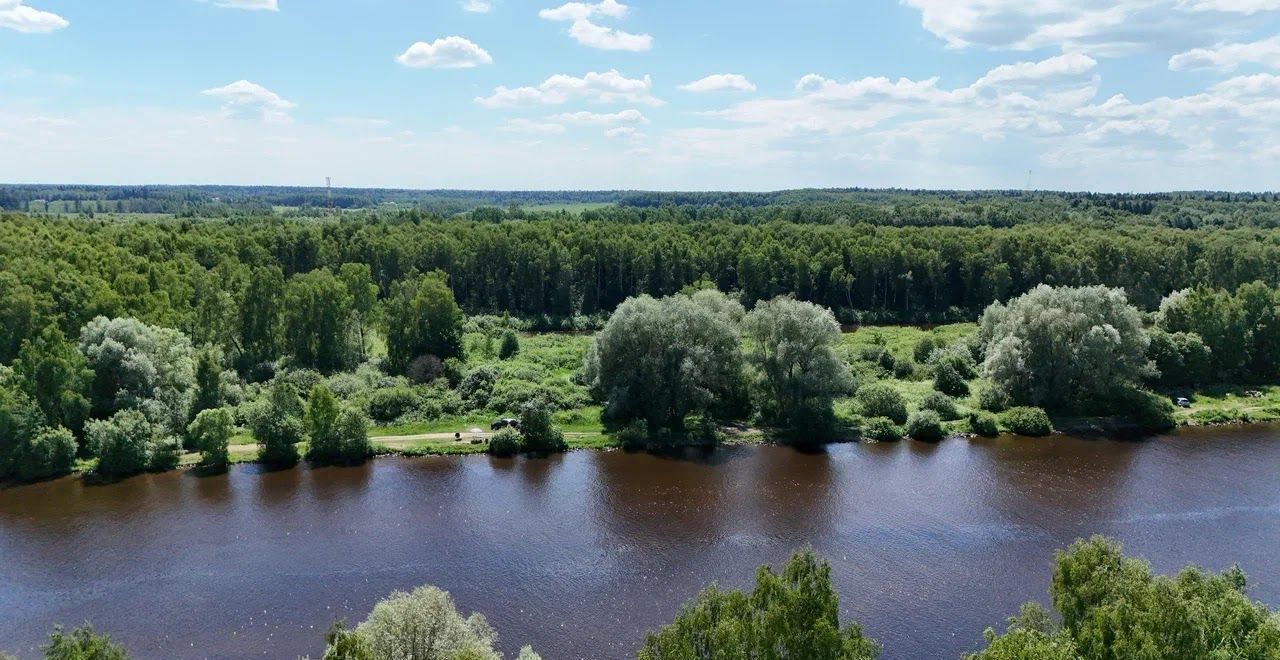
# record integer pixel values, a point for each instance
(580, 554)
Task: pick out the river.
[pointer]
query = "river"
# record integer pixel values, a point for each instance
(580, 554)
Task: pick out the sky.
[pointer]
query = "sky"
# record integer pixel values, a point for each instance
(1113, 96)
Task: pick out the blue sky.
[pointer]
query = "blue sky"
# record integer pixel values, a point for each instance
(1112, 95)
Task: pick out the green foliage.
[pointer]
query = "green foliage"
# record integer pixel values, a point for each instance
(1182, 358)
(261, 318)
(55, 374)
(318, 320)
(321, 423)
(342, 643)
(941, 404)
(1027, 421)
(994, 399)
(925, 425)
(882, 429)
(393, 403)
(506, 442)
(125, 444)
(1031, 636)
(51, 453)
(660, 360)
(140, 367)
(924, 349)
(792, 614)
(1065, 347)
(882, 400)
(209, 390)
(82, 644)
(425, 624)
(21, 421)
(1150, 412)
(984, 424)
(540, 436)
(210, 433)
(798, 375)
(510, 345)
(947, 380)
(422, 319)
(276, 425)
(358, 279)
(352, 432)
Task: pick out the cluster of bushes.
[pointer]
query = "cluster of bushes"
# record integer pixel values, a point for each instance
(536, 433)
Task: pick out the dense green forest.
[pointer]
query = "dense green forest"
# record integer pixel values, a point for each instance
(1106, 606)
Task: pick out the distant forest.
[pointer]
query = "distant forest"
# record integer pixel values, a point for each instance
(1182, 210)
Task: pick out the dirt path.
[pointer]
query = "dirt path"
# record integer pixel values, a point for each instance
(405, 441)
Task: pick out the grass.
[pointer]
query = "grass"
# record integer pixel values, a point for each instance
(1228, 404)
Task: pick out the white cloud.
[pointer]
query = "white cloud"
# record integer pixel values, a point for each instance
(608, 87)
(1229, 56)
(600, 119)
(621, 132)
(720, 82)
(1069, 65)
(606, 38)
(522, 125)
(593, 35)
(1100, 27)
(252, 5)
(447, 53)
(580, 11)
(477, 6)
(15, 15)
(360, 122)
(245, 100)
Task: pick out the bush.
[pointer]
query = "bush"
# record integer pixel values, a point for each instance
(506, 442)
(1028, 421)
(904, 369)
(510, 345)
(993, 398)
(477, 387)
(52, 453)
(924, 349)
(210, 433)
(124, 444)
(948, 380)
(535, 426)
(633, 436)
(881, 400)
(984, 424)
(352, 430)
(925, 425)
(942, 404)
(425, 369)
(392, 404)
(83, 644)
(882, 429)
(1149, 411)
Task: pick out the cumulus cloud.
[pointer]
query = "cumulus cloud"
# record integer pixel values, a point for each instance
(1229, 56)
(252, 5)
(447, 53)
(245, 100)
(593, 35)
(720, 82)
(15, 15)
(477, 6)
(523, 125)
(1069, 65)
(600, 119)
(1104, 27)
(608, 87)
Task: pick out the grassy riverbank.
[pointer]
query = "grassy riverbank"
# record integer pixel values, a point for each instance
(551, 359)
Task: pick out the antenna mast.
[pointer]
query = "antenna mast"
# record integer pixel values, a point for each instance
(328, 184)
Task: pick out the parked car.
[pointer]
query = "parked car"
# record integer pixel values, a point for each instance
(505, 423)
(1182, 402)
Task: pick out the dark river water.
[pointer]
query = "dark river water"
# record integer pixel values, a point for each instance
(580, 554)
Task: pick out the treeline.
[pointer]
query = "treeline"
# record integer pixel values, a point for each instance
(554, 268)
(223, 201)
(1106, 606)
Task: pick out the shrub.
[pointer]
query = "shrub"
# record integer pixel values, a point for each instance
(391, 404)
(924, 349)
(633, 436)
(887, 361)
(984, 424)
(211, 433)
(881, 400)
(123, 444)
(537, 430)
(948, 380)
(904, 369)
(994, 399)
(425, 369)
(506, 442)
(477, 386)
(52, 453)
(925, 425)
(510, 345)
(1028, 421)
(882, 429)
(352, 431)
(83, 644)
(1149, 411)
(942, 404)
